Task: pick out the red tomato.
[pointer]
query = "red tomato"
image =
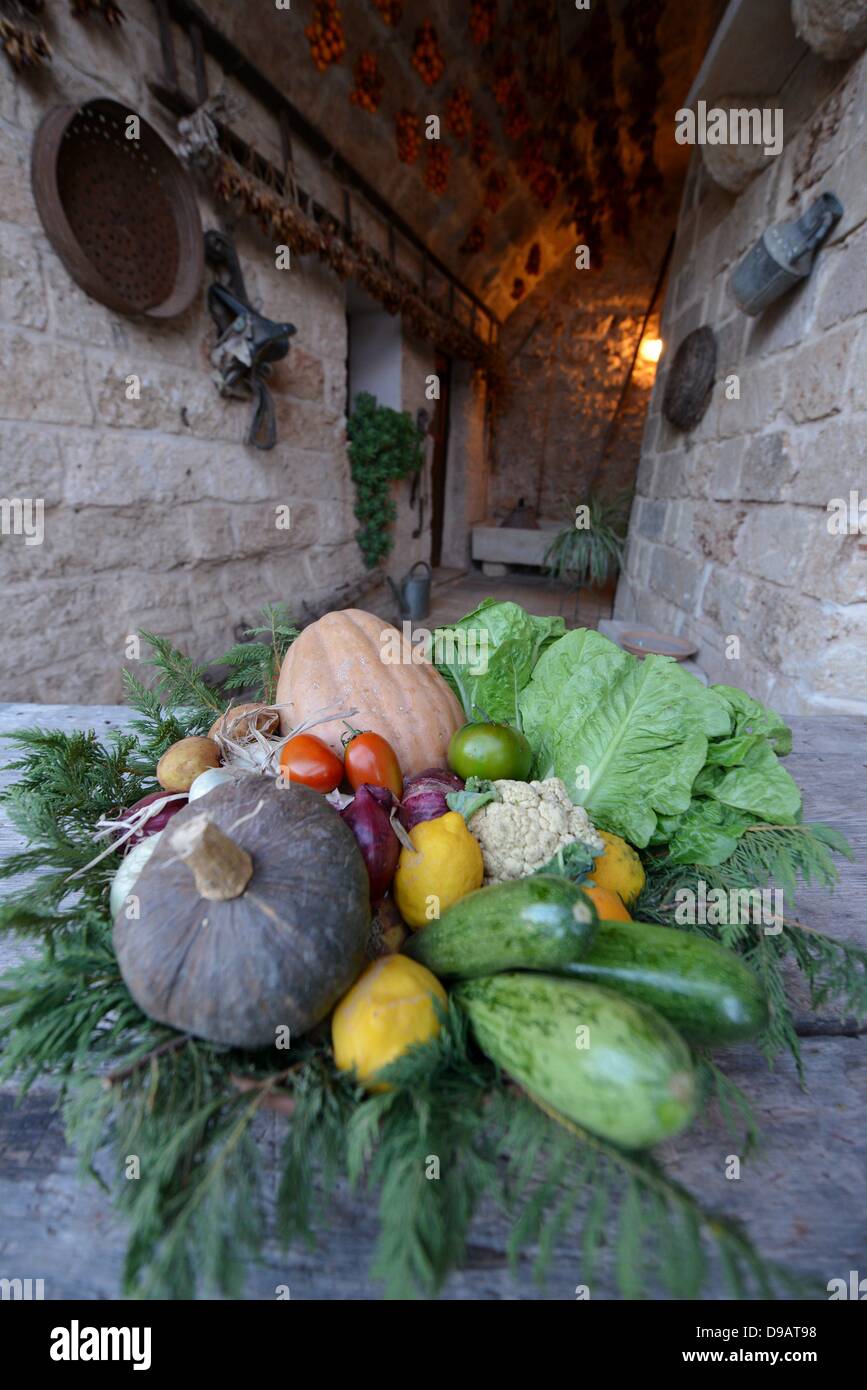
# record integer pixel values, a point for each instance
(371, 761)
(306, 759)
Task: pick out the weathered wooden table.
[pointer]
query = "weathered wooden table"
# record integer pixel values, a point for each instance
(803, 1198)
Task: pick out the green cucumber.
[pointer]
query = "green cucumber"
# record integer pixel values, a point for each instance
(705, 990)
(538, 923)
(629, 1078)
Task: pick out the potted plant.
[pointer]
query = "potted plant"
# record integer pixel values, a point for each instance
(590, 551)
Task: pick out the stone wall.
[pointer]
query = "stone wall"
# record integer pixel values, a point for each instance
(729, 536)
(569, 345)
(156, 514)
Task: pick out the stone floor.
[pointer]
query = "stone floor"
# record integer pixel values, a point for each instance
(456, 592)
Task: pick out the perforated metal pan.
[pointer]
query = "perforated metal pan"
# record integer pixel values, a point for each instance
(121, 213)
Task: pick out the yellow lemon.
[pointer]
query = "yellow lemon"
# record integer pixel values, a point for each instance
(389, 1009)
(445, 865)
(619, 868)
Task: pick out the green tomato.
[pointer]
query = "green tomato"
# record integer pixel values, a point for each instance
(492, 751)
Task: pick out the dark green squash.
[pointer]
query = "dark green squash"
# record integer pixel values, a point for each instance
(254, 914)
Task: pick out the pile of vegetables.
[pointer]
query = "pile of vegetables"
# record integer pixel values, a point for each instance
(492, 867)
(425, 877)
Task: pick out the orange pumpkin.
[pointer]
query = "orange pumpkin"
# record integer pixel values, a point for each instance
(346, 661)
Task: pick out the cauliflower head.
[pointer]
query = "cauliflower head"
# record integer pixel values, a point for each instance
(526, 827)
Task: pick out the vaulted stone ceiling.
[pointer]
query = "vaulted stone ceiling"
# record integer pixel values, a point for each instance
(548, 72)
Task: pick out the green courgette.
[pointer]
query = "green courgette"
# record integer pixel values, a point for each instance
(612, 1066)
(706, 991)
(538, 923)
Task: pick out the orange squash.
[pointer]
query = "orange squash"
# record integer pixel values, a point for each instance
(346, 661)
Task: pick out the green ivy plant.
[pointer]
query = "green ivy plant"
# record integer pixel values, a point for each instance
(384, 444)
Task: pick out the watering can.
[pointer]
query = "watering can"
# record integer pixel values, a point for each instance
(414, 592)
(782, 256)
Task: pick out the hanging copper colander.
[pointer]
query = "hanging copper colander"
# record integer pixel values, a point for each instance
(121, 213)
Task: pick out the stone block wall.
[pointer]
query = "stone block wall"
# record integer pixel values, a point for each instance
(569, 345)
(156, 514)
(729, 535)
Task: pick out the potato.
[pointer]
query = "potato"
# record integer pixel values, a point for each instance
(181, 764)
(236, 723)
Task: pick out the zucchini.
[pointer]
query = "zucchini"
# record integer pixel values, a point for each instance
(633, 1083)
(537, 923)
(705, 990)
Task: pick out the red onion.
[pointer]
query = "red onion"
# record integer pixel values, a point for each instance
(368, 816)
(154, 823)
(424, 795)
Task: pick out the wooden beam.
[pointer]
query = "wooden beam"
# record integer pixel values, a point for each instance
(199, 66)
(167, 44)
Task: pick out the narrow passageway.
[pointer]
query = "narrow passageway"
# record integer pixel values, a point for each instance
(457, 592)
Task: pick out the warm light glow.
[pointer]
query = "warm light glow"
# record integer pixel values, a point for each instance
(651, 349)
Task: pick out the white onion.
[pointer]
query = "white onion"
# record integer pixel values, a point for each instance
(130, 868)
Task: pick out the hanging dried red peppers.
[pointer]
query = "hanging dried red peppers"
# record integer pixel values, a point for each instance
(348, 256)
(538, 172)
(459, 113)
(369, 83)
(325, 35)
(407, 129)
(640, 20)
(390, 10)
(595, 51)
(495, 190)
(475, 238)
(427, 57)
(483, 18)
(437, 164)
(23, 41)
(482, 143)
(111, 13)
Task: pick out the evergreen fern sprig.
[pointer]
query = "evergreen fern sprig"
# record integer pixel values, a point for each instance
(158, 727)
(194, 1204)
(180, 682)
(783, 856)
(658, 1230)
(426, 1148)
(255, 665)
(67, 1007)
(734, 1104)
(67, 782)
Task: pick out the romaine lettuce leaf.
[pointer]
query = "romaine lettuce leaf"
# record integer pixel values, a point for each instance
(707, 833)
(750, 717)
(628, 737)
(488, 656)
(760, 785)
